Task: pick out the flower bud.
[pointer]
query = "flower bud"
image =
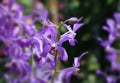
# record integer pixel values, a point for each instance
(73, 20)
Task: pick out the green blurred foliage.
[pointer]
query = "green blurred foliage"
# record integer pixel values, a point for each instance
(27, 5)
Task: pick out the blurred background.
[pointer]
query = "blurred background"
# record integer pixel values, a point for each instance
(94, 13)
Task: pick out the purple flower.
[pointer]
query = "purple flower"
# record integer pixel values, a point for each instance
(109, 78)
(51, 46)
(113, 26)
(71, 33)
(115, 66)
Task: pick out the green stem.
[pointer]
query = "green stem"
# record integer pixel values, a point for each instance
(61, 24)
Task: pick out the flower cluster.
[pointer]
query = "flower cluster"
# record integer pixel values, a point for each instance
(113, 29)
(34, 53)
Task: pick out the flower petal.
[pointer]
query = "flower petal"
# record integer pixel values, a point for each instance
(11, 2)
(77, 60)
(106, 28)
(111, 24)
(117, 17)
(72, 41)
(63, 53)
(77, 26)
(46, 50)
(68, 27)
(66, 74)
(64, 38)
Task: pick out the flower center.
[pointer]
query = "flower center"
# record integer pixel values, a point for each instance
(52, 51)
(73, 33)
(45, 25)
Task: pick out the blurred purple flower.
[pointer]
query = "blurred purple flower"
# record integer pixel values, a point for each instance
(66, 74)
(113, 26)
(109, 78)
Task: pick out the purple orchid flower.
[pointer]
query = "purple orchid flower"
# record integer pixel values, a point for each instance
(71, 32)
(51, 46)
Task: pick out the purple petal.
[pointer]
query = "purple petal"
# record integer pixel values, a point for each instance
(2, 20)
(64, 38)
(66, 74)
(36, 19)
(117, 17)
(77, 26)
(16, 31)
(48, 40)
(80, 57)
(46, 50)
(72, 41)
(68, 27)
(106, 28)
(63, 53)
(38, 44)
(99, 72)
(77, 60)
(80, 19)
(111, 38)
(28, 29)
(44, 14)
(11, 2)
(111, 55)
(111, 79)
(104, 43)
(111, 24)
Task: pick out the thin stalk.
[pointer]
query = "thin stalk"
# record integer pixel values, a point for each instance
(32, 60)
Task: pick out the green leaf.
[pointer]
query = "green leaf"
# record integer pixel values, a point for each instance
(63, 29)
